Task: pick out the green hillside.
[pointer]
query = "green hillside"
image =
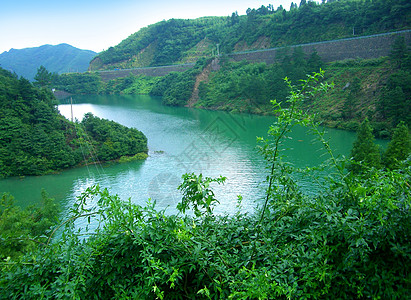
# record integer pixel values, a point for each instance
(35, 139)
(57, 59)
(377, 89)
(177, 41)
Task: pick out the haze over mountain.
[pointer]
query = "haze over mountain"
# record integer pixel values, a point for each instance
(59, 59)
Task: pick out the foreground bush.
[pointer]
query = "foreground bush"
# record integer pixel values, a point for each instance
(21, 230)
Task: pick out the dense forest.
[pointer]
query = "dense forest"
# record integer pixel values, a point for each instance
(35, 139)
(176, 41)
(348, 240)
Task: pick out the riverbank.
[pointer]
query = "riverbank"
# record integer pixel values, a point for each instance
(362, 89)
(359, 92)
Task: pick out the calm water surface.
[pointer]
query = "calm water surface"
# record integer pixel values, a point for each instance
(180, 140)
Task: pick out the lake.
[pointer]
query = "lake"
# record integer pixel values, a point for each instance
(180, 140)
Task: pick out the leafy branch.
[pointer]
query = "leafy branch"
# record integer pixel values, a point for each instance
(287, 118)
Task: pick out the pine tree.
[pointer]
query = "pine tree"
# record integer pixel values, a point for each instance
(365, 153)
(399, 52)
(43, 77)
(399, 148)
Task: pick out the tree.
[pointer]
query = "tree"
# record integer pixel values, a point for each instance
(43, 77)
(399, 52)
(399, 148)
(234, 18)
(314, 62)
(396, 98)
(365, 153)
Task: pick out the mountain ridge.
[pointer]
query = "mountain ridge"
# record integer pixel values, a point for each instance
(59, 59)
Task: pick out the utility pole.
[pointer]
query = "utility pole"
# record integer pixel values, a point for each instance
(218, 49)
(71, 106)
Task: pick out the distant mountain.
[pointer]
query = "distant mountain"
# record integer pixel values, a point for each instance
(59, 59)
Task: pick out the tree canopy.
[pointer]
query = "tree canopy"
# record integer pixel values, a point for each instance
(365, 153)
(35, 139)
(399, 147)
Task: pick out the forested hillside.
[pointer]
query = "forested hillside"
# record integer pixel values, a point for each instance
(58, 59)
(177, 41)
(35, 139)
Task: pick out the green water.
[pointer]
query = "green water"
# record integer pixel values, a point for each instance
(180, 140)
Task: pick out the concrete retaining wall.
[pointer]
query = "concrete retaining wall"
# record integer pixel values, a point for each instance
(361, 47)
(368, 47)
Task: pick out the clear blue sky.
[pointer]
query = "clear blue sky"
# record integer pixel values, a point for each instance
(98, 24)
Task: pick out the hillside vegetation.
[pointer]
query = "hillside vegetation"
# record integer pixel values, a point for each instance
(376, 88)
(175, 41)
(58, 59)
(35, 139)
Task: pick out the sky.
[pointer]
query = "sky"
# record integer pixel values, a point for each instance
(99, 24)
